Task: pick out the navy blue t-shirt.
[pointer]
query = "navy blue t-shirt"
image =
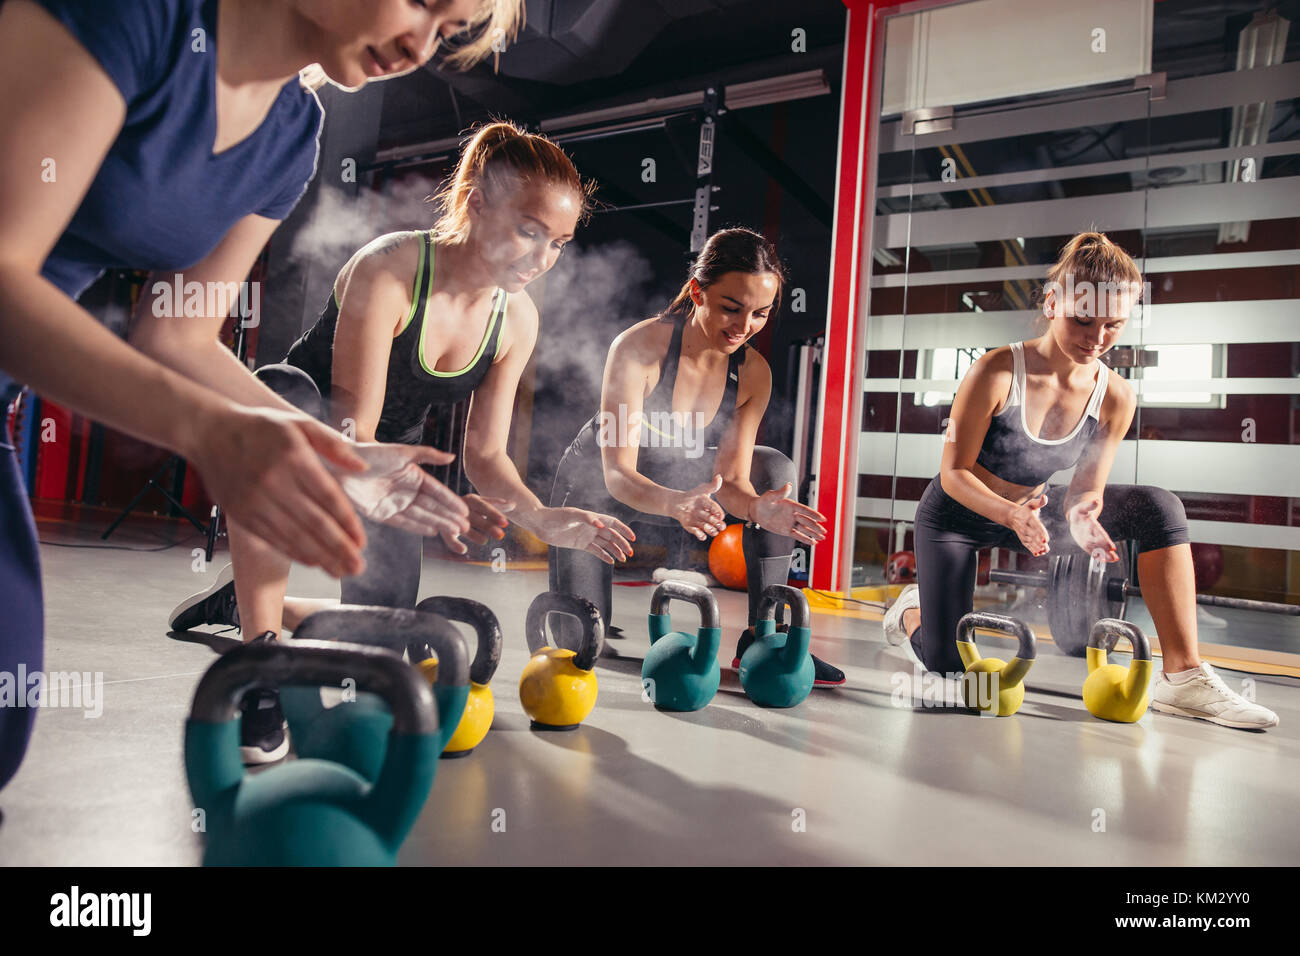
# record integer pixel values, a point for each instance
(162, 200)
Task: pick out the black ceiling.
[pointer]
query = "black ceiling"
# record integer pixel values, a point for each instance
(576, 55)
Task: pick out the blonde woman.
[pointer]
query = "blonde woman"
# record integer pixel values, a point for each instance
(1022, 413)
(174, 135)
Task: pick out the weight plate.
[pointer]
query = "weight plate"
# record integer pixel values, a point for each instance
(1058, 603)
(1078, 598)
(1083, 603)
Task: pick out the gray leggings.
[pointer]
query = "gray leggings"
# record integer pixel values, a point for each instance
(580, 483)
(949, 536)
(393, 557)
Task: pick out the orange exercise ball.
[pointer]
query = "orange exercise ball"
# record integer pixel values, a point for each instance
(727, 558)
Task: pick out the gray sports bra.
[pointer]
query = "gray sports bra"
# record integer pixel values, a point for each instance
(1012, 454)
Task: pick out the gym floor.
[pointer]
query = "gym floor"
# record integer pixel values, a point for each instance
(848, 777)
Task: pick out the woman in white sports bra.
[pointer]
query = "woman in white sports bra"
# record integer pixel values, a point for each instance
(1023, 413)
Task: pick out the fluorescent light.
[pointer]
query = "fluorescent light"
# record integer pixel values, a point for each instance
(777, 89)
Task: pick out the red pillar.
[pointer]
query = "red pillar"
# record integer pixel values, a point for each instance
(840, 420)
(836, 455)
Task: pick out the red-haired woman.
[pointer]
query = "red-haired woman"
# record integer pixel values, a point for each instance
(418, 321)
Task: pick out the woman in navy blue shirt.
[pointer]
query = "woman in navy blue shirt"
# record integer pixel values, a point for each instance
(174, 135)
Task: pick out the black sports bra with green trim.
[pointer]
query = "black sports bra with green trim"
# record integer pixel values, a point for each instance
(412, 389)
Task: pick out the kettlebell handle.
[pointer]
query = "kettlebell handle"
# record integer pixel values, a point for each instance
(1003, 624)
(394, 628)
(776, 595)
(273, 664)
(486, 627)
(695, 594)
(586, 613)
(1108, 631)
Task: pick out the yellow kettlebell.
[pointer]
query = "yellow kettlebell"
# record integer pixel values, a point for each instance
(480, 707)
(1113, 691)
(992, 686)
(558, 685)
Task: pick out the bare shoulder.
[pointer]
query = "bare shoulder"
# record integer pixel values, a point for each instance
(995, 364)
(1120, 399)
(519, 324)
(755, 376)
(521, 311)
(990, 376)
(645, 343)
(390, 258)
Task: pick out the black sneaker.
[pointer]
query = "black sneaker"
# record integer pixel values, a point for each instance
(216, 605)
(263, 733)
(742, 645)
(824, 675)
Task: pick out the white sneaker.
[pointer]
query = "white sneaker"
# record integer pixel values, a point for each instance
(894, 631)
(1207, 697)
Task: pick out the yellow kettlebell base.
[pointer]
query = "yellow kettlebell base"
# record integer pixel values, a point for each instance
(1106, 691)
(475, 720)
(556, 695)
(1112, 691)
(982, 678)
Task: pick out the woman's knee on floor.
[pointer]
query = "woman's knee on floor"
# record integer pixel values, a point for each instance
(771, 469)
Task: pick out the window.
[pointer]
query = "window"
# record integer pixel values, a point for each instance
(1184, 367)
(945, 365)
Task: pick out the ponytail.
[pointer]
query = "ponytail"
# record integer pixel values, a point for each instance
(729, 250)
(499, 157)
(1089, 257)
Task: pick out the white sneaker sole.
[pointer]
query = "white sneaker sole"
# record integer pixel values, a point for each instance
(1163, 708)
(226, 575)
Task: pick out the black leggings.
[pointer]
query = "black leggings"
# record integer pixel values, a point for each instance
(949, 535)
(580, 483)
(392, 556)
(22, 610)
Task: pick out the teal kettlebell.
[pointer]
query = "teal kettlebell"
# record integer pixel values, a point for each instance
(777, 669)
(354, 733)
(680, 671)
(308, 812)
